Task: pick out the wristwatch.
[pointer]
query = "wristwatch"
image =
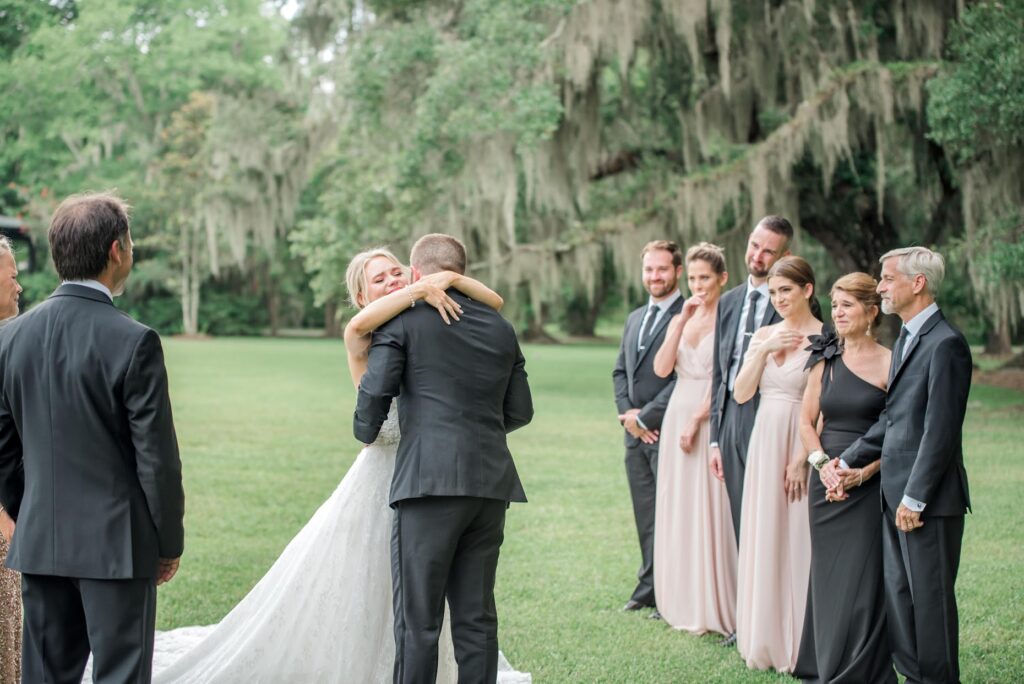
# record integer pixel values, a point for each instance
(818, 459)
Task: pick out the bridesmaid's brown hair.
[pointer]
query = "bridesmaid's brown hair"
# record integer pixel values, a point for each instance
(797, 269)
(710, 254)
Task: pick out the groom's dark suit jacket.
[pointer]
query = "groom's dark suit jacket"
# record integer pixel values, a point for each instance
(89, 462)
(919, 435)
(463, 387)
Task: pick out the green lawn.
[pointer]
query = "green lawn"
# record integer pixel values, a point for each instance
(265, 432)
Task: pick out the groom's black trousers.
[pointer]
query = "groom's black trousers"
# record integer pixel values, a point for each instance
(446, 545)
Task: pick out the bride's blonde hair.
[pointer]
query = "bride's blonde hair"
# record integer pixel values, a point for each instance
(355, 274)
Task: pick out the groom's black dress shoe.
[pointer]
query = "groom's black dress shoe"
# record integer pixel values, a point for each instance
(728, 641)
(634, 605)
(655, 615)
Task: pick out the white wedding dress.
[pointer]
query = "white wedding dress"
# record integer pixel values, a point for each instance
(323, 612)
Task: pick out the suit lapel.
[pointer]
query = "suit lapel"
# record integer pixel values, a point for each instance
(631, 333)
(771, 316)
(658, 327)
(912, 345)
(730, 326)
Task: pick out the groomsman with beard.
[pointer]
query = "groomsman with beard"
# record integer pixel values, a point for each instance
(641, 397)
(924, 483)
(741, 311)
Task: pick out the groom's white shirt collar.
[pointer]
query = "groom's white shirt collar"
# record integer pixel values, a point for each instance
(94, 284)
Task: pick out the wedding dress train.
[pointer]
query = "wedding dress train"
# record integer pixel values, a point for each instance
(323, 612)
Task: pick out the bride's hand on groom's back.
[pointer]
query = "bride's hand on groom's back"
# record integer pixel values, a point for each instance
(434, 295)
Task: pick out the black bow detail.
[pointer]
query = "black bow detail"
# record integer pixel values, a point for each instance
(825, 346)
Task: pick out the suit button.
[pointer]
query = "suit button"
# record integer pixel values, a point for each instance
(888, 423)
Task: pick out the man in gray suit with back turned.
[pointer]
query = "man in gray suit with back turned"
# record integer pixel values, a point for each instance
(89, 465)
(924, 485)
(463, 387)
(641, 398)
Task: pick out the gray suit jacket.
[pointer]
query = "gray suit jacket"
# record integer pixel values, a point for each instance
(463, 387)
(919, 434)
(89, 462)
(636, 385)
(727, 325)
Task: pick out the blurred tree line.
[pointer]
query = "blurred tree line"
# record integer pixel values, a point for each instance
(263, 143)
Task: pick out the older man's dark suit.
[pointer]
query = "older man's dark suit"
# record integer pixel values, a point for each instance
(732, 423)
(463, 387)
(637, 386)
(89, 468)
(918, 438)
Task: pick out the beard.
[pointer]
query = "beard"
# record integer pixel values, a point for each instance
(887, 307)
(756, 271)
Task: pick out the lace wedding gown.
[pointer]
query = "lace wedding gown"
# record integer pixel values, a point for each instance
(323, 612)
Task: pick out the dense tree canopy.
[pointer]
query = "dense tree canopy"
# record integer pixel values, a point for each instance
(555, 137)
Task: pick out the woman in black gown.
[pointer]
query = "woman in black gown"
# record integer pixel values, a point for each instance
(844, 636)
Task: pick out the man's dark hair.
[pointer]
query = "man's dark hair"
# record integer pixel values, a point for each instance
(438, 252)
(779, 225)
(82, 230)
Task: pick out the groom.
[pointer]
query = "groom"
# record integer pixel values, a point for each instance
(463, 387)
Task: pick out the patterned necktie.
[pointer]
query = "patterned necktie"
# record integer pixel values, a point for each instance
(751, 322)
(897, 353)
(652, 316)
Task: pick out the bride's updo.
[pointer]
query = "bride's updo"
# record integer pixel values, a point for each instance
(355, 274)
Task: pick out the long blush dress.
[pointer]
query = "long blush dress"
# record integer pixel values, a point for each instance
(775, 540)
(694, 544)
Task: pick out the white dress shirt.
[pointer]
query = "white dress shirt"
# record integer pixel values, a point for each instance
(741, 329)
(94, 284)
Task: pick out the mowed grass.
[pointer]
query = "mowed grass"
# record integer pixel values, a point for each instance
(265, 434)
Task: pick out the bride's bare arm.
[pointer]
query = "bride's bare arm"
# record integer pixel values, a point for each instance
(430, 289)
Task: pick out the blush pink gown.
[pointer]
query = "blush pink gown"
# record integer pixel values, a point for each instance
(775, 538)
(694, 544)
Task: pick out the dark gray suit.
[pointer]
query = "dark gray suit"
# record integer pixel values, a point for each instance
(732, 423)
(919, 439)
(637, 386)
(89, 468)
(463, 387)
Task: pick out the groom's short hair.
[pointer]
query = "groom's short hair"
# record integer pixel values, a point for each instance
(438, 252)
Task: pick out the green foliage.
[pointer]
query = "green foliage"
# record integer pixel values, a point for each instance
(977, 103)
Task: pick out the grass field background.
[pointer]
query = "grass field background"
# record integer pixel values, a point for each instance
(265, 432)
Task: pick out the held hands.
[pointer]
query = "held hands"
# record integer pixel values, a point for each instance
(165, 569)
(795, 480)
(715, 463)
(782, 339)
(907, 520)
(628, 420)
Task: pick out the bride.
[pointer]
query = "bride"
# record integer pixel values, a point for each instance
(323, 612)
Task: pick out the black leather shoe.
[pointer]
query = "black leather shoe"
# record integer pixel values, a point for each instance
(655, 615)
(728, 641)
(634, 605)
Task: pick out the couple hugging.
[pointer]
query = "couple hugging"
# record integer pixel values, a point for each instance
(89, 468)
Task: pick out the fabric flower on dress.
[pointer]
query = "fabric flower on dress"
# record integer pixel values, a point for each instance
(823, 347)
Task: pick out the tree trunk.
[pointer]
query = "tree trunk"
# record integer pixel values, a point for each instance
(332, 326)
(189, 249)
(998, 339)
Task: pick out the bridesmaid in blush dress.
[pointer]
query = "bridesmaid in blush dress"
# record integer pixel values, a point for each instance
(775, 544)
(694, 545)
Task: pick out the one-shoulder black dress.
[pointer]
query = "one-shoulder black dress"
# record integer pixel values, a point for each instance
(844, 637)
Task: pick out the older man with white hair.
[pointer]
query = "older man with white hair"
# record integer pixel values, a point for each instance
(924, 484)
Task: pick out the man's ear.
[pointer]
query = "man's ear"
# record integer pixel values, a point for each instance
(116, 253)
(416, 275)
